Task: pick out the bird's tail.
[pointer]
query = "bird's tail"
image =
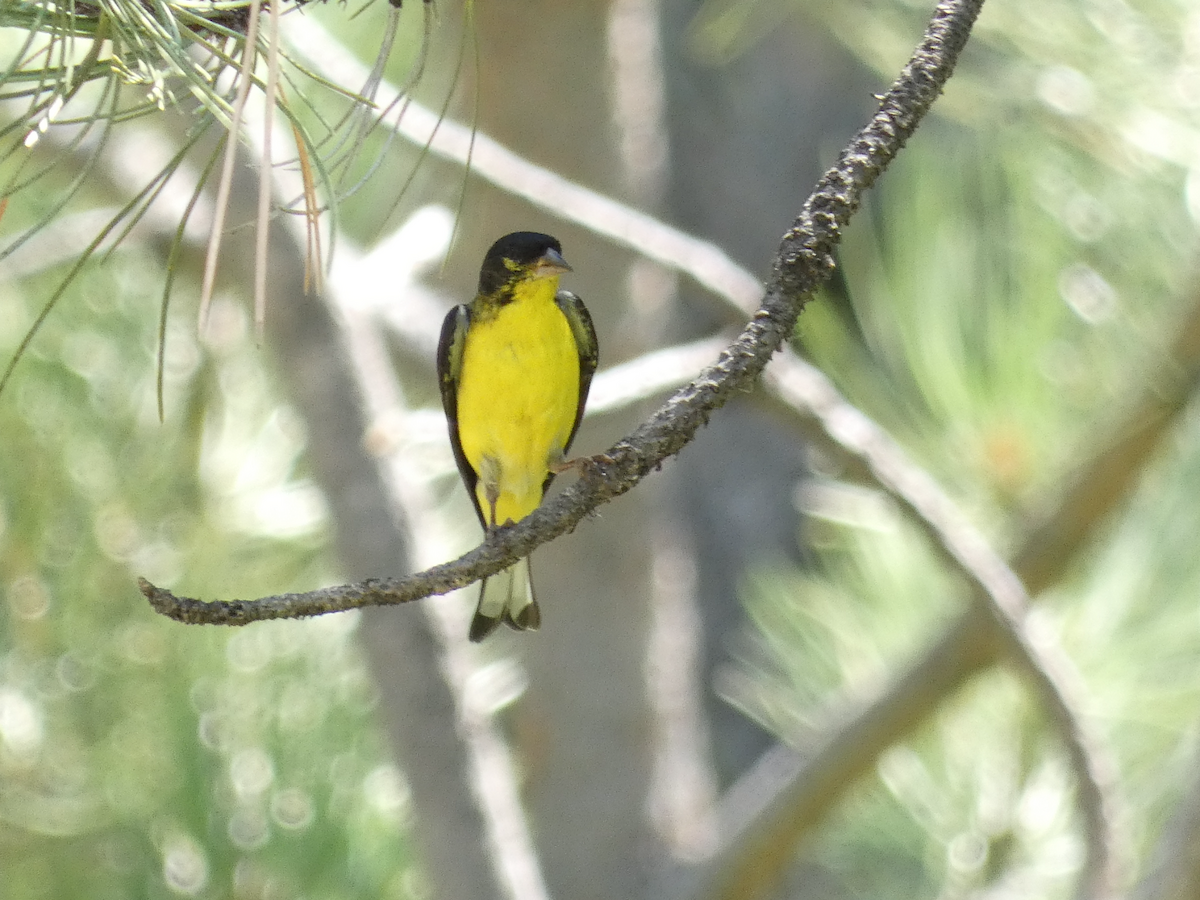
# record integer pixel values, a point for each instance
(506, 597)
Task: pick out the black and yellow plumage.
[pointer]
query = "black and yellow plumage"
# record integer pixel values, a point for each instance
(514, 366)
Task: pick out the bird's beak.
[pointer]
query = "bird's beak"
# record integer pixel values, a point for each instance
(551, 264)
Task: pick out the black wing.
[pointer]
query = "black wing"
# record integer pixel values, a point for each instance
(449, 368)
(584, 331)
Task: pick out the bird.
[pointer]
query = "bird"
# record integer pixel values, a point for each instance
(514, 368)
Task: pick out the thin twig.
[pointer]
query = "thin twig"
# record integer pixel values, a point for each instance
(640, 379)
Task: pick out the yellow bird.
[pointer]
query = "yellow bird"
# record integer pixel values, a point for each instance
(514, 366)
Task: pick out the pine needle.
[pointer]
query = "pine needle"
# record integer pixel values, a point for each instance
(249, 56)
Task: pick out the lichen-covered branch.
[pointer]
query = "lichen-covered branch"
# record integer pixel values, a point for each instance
(803, 262)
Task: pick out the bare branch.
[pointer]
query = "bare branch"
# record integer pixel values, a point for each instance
(803, 262)
(639, 379)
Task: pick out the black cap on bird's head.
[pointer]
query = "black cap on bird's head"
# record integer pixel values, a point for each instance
(524, 254)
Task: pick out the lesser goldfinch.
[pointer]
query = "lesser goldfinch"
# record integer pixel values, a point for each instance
(514, 365)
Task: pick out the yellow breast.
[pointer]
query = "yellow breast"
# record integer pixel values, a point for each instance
(517, 397)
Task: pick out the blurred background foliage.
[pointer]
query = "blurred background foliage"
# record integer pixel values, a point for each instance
(138, 758)
(1009, 291)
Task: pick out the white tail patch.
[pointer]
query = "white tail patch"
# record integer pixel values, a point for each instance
(506, 597)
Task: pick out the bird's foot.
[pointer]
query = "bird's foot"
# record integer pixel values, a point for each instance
(493, 530)
(583, 464)
(565, 465)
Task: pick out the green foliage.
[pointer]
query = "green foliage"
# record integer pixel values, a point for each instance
(139, 757)
(1010, 293)
(79, 68)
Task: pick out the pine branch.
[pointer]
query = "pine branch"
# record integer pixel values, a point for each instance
(803, 262)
